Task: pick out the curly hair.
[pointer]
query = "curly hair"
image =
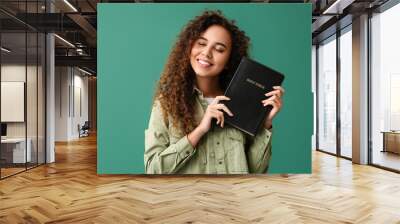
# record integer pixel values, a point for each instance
(175, 89)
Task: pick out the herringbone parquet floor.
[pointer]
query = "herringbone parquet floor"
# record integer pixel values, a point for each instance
(69, 191)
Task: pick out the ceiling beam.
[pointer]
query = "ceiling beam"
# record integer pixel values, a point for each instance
(85, 61)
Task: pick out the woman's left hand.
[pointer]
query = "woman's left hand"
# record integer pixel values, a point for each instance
(275, 100)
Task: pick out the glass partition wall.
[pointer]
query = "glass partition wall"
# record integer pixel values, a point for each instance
(385, 89)
(326, 60)
(334, 90)
(22, 88)
(345, 62)
(334, 94)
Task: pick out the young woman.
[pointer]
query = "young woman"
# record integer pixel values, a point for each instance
(183, 136)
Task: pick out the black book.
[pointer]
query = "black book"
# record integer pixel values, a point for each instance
(246, 90)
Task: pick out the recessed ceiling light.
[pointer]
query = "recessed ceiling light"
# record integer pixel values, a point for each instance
(337, 7)
(64, 40)
(70, 5)
(84, 71)
(5, 50)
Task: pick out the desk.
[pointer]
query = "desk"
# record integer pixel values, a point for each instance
(15, 148)
(391, 141)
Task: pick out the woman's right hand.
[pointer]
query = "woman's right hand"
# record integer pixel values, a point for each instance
(214, 110)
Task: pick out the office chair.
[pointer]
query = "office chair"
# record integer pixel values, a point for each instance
(84, 130)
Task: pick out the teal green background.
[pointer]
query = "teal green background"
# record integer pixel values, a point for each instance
(134, 41)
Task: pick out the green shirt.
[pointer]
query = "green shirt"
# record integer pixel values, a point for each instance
(220, 151)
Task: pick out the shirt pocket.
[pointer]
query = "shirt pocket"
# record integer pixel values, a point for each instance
(235, 152)
(235, 137)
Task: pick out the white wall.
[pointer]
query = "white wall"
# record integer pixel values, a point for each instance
(71, 102)
(81, 103)
(62, 81)
(314, 92)
(33, 127)
(12, 73)
(16, 72)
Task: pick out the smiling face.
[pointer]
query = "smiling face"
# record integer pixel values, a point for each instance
(210, 52)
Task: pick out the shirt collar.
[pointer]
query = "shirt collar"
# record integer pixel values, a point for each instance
(197, 90)
(200, 97)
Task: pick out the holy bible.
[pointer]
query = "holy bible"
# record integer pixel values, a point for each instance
(246, 90)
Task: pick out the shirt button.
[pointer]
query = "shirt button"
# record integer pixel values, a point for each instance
(187, 152)
(220, 162)
(217, 143)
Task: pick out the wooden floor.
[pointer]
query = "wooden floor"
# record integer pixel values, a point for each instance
(69, 191)
(5, 172)
(387, 159)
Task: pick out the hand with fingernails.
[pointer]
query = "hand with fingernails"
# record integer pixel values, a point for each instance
(214, 110)
(275, 100)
